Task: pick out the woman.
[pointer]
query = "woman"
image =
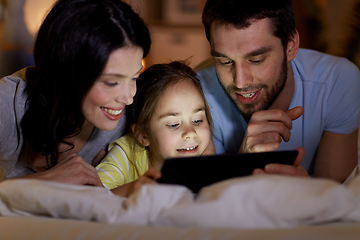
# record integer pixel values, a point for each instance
(61, 114)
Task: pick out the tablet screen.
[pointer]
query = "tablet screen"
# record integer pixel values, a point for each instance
(198, 172)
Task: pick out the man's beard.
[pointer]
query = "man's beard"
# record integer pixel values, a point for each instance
(248, 109)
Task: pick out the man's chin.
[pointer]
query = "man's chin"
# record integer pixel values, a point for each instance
(248, 111)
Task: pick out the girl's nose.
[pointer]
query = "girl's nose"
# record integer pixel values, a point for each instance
(189, 133)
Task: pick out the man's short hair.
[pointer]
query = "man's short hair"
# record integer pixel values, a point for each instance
(241, 13)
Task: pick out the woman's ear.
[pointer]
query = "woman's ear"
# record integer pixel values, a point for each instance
(293, 46)
(141, 137)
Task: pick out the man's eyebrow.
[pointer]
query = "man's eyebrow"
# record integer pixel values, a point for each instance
(258, 52)
(217, 54)
(254, 53)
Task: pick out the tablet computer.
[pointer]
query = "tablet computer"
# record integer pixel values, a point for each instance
(198, 172)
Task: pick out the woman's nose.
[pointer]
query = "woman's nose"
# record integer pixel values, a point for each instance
(126, 95)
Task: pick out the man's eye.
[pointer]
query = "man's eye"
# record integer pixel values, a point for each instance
(198, 121)
(224, 61)
(173, 126)
(257, 61)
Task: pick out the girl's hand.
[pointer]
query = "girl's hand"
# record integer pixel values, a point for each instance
(148, 178)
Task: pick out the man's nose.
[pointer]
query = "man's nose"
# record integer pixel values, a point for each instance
(242, 75)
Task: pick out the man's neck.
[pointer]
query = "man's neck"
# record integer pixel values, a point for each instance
(284, 99)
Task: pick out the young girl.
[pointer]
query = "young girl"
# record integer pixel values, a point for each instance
(168, 118)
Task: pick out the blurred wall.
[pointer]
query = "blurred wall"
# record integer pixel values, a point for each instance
(19, 20)
(321, 24)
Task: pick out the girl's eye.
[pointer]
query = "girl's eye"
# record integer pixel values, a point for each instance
(198, 121)
(173, 126)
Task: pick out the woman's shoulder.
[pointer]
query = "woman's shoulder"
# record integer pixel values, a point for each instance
(13, 96)
(12, 102)
(13, 85)
(12, 99)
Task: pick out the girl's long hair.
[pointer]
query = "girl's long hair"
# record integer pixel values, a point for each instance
(152, 84)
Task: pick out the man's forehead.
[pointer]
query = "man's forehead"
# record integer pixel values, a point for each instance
(241, 26)
(260, 27)
(229, 41)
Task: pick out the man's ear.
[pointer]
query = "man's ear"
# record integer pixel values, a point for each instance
(293, 46)
(141, 137)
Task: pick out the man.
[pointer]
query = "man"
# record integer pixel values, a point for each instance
(266, 94)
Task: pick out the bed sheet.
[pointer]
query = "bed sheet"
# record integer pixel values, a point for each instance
(262, 201)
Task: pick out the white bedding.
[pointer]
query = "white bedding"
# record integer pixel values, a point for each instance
(241, 203)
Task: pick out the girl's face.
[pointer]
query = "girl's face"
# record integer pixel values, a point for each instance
(179, 126)
(114, 89)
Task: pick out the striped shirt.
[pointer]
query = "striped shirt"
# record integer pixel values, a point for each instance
(126, 161)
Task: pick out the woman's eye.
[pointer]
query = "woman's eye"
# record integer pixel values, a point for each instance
(136, 79)
(198, 121)
(173, 126)
(111, 84)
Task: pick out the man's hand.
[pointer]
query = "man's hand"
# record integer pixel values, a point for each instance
(291, 170)
(266, 129)
(72, 169)
(148, 178)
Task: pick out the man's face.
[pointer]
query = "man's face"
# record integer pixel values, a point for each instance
(251, 65)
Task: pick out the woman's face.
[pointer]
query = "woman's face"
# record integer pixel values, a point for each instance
(114, 89)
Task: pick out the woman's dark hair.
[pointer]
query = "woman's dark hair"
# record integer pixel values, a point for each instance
(71, 50)
(240, 13)
(152, 84)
